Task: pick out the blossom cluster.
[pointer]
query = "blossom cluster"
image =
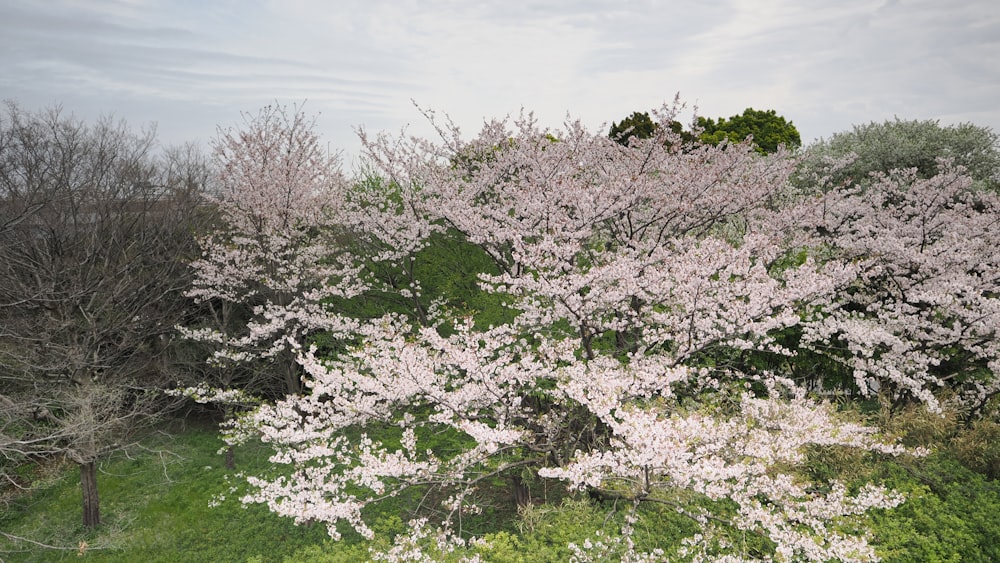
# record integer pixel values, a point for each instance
(923, 312)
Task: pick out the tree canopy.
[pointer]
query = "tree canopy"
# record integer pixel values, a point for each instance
(96, 232)
(659, 299)
(854, 155)
(768, 129)
(639, 124)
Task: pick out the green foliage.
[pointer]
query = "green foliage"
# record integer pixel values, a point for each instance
(915, 426)
(950, 513)
(156, 506)
(329, 552)
(881, 147)
(769, 130)
(978, 447)
(447, 270)
(658, 526)
(546, 532)
(639, 125)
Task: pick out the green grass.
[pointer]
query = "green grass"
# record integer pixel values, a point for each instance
(154, 507)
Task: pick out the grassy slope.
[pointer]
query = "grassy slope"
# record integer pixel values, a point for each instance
(155, 507)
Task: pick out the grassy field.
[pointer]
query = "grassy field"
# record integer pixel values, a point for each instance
(154, 507)
(160, 503)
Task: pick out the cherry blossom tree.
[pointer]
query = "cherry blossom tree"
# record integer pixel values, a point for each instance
(637, 271)
(924, 311)
(265, 273)
(390, 225)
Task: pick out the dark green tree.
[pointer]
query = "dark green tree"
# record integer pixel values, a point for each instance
(639, 124)
(769, 130)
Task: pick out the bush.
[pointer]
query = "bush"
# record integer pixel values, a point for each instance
(950, 513)
(978, 447)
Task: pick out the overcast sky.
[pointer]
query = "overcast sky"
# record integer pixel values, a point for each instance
(191, 65)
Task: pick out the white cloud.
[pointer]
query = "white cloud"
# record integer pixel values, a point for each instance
(191, 65)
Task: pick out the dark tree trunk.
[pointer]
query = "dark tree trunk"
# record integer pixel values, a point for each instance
(91, 504)
(293, 382)
(522, 496)
(230, 458)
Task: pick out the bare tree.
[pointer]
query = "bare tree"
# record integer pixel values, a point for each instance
(96, 230)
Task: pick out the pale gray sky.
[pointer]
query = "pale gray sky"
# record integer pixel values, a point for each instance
(190, 65)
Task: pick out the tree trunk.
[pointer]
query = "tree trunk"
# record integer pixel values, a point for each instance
(522, 496)
(293, 383)
(91, 504)
(230, 458)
